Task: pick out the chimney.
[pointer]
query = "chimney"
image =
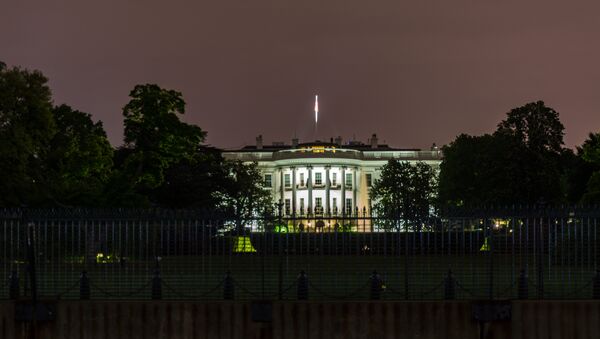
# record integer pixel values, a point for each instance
(338, 141)
(374, 141)
(295, 142)
(259, 142)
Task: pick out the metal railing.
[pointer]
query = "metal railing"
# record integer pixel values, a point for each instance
(141, 254)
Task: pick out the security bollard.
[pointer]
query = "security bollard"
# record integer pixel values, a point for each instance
(156, 285)
(523, 288)
(596, 286)
(228, 287)
(449, 286)
(13, 285)
(376, 286)
(84, 286)
(302, 286)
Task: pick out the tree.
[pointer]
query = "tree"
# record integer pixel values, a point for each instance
(243, 195)
(523, 162)
(155, 136)
(476, 170)
(26, 128)
(192, 182)
(590, 153)
(537, 126)
(405, 192)
(538, 157)
(79, 159)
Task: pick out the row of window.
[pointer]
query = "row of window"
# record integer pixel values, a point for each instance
(318, 206)
(268, 182)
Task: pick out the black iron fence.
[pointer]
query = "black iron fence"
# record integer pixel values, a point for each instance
(133, 254)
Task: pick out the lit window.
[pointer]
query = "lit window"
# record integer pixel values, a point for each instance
(268, 180)
(318, 179)
(348, 206)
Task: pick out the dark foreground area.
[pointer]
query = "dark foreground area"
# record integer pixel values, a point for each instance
(303, 320)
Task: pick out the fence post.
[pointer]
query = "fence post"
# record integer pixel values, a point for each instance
(84, 286)
(491, 254)
(596, 286)
(449, 286)
(540, 262)
(280, 281)
(31, 261)
(280, 225)
(376, 286)
(13, 285)
(156, 285)
(302, 286)
(228, 287)
(523, 288)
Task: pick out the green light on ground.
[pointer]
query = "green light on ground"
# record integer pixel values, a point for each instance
(101, 258)
(243, 245)
(485, 246)
(281, 229)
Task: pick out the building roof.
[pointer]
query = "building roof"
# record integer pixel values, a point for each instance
(358, 146)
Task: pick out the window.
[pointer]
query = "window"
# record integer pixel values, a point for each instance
(348, 179)
(268, 180)
(301, 205)
(287, 206)
(334, 179)
(318, 179)
(348, 206)
(301, 179)
(369, 179)
(287, 181)
(335, 207)
(318, 205)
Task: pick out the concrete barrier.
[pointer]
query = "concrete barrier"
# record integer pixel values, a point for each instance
(303, 320)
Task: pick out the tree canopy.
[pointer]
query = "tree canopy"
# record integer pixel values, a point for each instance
(26, 128)
(590, 153)
(79, 159)
(475, 171)
(522, 162)
(404, 191)
(537, 126)
(155, 135)
(243, 194)
(194, 182)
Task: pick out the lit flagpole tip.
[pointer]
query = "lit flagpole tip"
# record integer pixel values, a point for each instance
(316, 109)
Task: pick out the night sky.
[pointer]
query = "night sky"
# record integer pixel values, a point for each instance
(414, 72)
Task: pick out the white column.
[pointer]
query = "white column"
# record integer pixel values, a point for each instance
(327, 197)
(343, 182)
(310, 196)
(294, 191)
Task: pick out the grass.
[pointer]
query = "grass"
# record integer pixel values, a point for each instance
(332, 277)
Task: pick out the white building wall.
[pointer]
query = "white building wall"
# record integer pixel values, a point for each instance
(370, 163)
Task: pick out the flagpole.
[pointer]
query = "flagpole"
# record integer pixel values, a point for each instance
(316, 115)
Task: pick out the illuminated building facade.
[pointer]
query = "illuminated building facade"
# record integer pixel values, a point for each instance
(325, 179)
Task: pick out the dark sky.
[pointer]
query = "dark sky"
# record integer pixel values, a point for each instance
(413, 71)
